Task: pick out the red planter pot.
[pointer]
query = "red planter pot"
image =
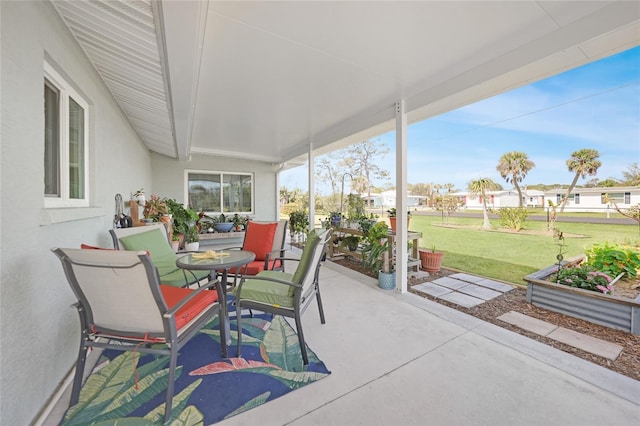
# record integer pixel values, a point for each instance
(431, 261)
(392, 221)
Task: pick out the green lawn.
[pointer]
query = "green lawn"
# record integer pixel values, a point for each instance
(509, 257)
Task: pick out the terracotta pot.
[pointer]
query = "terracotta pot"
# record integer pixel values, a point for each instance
(431, 261)
(392, 221)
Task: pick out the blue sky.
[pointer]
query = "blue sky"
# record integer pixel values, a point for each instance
(595, 106)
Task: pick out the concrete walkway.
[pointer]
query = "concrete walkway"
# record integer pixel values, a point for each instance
(405, 360)
(469, 290)
(463, 289)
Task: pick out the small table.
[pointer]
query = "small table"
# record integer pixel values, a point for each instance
(235, 259)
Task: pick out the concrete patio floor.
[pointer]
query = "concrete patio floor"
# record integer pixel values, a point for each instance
(404, 360)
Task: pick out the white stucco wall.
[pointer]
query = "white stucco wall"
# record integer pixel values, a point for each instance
(38, 328)
(168, 179)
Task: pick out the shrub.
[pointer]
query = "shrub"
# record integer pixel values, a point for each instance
(513, 217)
(612, 259)
(585, 277)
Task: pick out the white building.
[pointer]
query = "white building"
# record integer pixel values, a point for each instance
(503, 198)
(580, 200)
(387, 199)
(594, 199)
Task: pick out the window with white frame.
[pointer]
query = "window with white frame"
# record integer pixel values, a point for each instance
(220, 192)
(65, 143)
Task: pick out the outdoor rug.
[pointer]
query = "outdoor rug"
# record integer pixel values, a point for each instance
(129, 387)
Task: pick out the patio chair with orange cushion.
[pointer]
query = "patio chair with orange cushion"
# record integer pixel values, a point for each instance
(266, 240)
(123, 306)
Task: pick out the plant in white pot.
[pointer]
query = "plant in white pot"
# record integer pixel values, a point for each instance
(192, 239)
(139, 197)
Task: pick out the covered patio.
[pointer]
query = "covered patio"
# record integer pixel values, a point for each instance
(169, 88)
(402, 359)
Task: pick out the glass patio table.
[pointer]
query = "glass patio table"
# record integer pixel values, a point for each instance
(221, 261)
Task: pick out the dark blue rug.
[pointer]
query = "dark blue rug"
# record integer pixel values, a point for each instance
(129, 387)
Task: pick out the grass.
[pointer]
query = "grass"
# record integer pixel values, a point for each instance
(507, 256)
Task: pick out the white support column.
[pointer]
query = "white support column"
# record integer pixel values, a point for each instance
(278, 171)
(401, 198)
(312, 188)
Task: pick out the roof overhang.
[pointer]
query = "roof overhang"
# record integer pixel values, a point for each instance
(269, 81)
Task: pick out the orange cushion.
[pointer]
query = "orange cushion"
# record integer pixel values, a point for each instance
(259, 238)
(88, 247)
(252, 268)
(173, 295)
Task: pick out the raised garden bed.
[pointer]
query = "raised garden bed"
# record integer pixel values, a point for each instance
(612, 311)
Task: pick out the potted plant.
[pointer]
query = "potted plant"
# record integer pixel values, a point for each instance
(240, 222)
(175, 242)
(351, 242)
(223, 224)
(155, 208)
(139, 197)
(375, 255)
(181, 218)
(431, 260)
(335, 217)
(192, 239)
(298, 224)
(392, 218)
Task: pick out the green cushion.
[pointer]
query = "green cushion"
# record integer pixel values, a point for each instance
(176, 278)
(268, 292)
(306, 257)
(152, 241)
(162, 256)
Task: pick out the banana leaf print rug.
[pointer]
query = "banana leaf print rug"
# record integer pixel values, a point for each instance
(129, 387)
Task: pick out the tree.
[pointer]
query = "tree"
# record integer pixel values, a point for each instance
(423, 189)
(449, 187)
(608, 183)
(513, 167)
(582, 162)
(328, 170)
(479, 188)
(632, 175)
(362, 161)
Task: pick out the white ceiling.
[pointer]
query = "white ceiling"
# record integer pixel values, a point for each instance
(264, 80)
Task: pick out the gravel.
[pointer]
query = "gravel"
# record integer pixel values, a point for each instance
(627, 363)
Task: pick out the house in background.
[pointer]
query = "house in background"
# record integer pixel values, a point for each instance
(101, 98)
(533, 197)
(595, 199)
(498, 199)
(387, 199)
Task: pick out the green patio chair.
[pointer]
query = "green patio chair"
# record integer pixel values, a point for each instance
(123, 306)
(155, 240)
(283, 293)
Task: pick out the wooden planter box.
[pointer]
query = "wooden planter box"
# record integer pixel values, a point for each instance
(611, 311)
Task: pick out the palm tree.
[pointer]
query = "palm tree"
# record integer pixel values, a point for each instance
(513, 167)
(582, 162)
(479, 187)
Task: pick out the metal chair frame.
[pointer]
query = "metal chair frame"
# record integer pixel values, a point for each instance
(95, 335)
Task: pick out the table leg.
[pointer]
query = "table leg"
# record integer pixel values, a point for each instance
(227, 325)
